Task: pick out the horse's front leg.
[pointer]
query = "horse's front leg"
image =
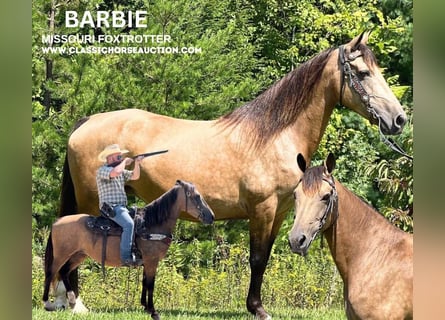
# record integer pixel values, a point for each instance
(148, 287)
(260, 244)
(144, 293)
(262, 237)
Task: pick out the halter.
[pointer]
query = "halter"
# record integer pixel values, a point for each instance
(355, 83)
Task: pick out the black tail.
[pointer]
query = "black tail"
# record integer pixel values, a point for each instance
(68, 203)
(49, 258)
(49, 254)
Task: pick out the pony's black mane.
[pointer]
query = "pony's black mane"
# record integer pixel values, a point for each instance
(159, 210)
(280, 105)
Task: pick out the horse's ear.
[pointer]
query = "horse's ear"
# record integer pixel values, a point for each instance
(301, 162)
(329, 163)
(178, 182)
(362, 38)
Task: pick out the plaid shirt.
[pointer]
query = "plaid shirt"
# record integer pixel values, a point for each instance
(111, 190)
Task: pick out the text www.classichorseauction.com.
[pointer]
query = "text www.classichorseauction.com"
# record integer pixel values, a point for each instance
(110, 44)
(130, 42)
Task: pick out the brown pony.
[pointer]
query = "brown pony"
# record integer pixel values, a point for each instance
(244, 162)
(71, 241)
(374, 258)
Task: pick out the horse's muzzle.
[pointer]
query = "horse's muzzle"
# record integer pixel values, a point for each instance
(390, 125)
(207, 216)
(299, 245)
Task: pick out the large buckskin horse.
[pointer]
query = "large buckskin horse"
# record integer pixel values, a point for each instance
(243, 162)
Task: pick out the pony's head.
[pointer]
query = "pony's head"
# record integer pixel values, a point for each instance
(194, 204)
(183, 196)
(364, 89)
(316, 204)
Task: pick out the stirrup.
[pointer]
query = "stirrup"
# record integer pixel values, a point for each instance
(132, 262)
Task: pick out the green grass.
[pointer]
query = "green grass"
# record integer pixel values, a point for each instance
(277, 314)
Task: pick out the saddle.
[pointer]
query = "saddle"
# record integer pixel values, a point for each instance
(105, 227)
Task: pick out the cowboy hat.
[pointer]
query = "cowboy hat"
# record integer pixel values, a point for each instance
(111, 149)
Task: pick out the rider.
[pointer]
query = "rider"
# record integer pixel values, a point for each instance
(111, 178)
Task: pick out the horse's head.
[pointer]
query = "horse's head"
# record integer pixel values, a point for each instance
(364, 89)
(316, 204)
(194, 203)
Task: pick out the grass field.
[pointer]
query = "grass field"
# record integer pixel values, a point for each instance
(201, 297)
(281, 314)
(204, 287)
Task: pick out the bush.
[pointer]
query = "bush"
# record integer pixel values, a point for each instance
(201, 275)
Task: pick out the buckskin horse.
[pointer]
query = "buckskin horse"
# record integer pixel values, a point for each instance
(71, 241)
(244, 161)
(374, 258)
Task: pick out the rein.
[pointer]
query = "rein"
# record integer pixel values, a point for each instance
(355, 83)
(186, 200)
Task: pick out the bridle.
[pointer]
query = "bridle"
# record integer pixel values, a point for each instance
(186, 200)
(332, 206)
(355, 83)
(187, 195)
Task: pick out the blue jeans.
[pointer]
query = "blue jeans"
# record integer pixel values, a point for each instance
(124, 219)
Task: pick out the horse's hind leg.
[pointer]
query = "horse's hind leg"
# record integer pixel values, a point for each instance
(64, 274)
(52, 266)
(58, 303)
(48, 279)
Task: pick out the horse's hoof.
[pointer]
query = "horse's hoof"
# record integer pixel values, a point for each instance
(155, 316)
(60, 298)
(49, 306)
(262, 316)
(71, 299)
(79, 307)
(61, 305)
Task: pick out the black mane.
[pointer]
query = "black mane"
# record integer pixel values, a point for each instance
(159, 210)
